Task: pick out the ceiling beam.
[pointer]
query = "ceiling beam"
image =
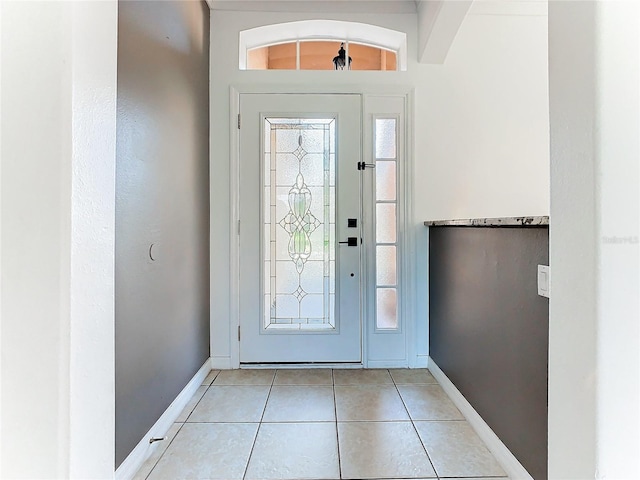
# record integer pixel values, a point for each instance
(438, 25)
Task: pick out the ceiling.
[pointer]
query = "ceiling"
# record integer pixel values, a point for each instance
(317, 6)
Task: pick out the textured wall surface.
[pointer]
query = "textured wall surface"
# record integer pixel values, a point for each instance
(57, 130)
(594, 349)
(489, 329)
(162, 199)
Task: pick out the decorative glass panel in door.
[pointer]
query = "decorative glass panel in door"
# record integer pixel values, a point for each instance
(299, 286)
(299, 205)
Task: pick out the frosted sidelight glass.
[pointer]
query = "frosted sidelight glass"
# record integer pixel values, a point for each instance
(386, 155)
(386, 223)
(386, 265)
(387, 308)
(299, 223)
(386, 138)
(386, 181)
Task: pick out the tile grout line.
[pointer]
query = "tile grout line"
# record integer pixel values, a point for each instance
(322, 421)
(181, 425)
(335, 412)
(165, 451)
(414, 427)
(255, 439)
(198, 402)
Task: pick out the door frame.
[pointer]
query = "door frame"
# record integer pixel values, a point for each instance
(406, 190)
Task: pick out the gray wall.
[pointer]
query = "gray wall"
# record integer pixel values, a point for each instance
(162, 172)
(489, 329)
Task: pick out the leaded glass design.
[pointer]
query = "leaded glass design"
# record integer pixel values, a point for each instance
(299, 204)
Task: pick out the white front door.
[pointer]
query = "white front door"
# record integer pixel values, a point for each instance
(300, 228)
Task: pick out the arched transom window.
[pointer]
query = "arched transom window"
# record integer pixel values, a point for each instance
(322, 45)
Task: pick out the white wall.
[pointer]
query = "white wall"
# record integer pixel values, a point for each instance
(572, 243)
(482, 143)
(618, 205)
(480, 122)
(594, 351)
(58, 64)
(438, 24)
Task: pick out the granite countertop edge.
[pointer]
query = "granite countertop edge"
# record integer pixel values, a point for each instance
(531, 221)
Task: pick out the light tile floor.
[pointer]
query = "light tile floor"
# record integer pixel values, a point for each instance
(320, 424)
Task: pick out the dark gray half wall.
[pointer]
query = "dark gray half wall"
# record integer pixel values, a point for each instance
(489, 329)
(162, 198)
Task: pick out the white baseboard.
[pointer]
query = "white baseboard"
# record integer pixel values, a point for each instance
(221, 363)
(505, 458)
(144, 449)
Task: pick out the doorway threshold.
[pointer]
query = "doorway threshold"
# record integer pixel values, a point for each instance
(283, 366)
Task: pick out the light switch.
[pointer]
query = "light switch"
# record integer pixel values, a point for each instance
(544, 280)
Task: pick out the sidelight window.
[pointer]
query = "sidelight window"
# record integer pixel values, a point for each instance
(386, 214)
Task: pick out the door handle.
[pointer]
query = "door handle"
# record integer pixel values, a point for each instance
(351, 242)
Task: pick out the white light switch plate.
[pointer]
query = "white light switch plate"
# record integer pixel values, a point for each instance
(544, 280)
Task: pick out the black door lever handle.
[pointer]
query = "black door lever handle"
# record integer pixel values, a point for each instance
(351, 242)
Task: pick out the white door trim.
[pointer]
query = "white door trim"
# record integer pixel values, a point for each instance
(393, 348)
(233, 360)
